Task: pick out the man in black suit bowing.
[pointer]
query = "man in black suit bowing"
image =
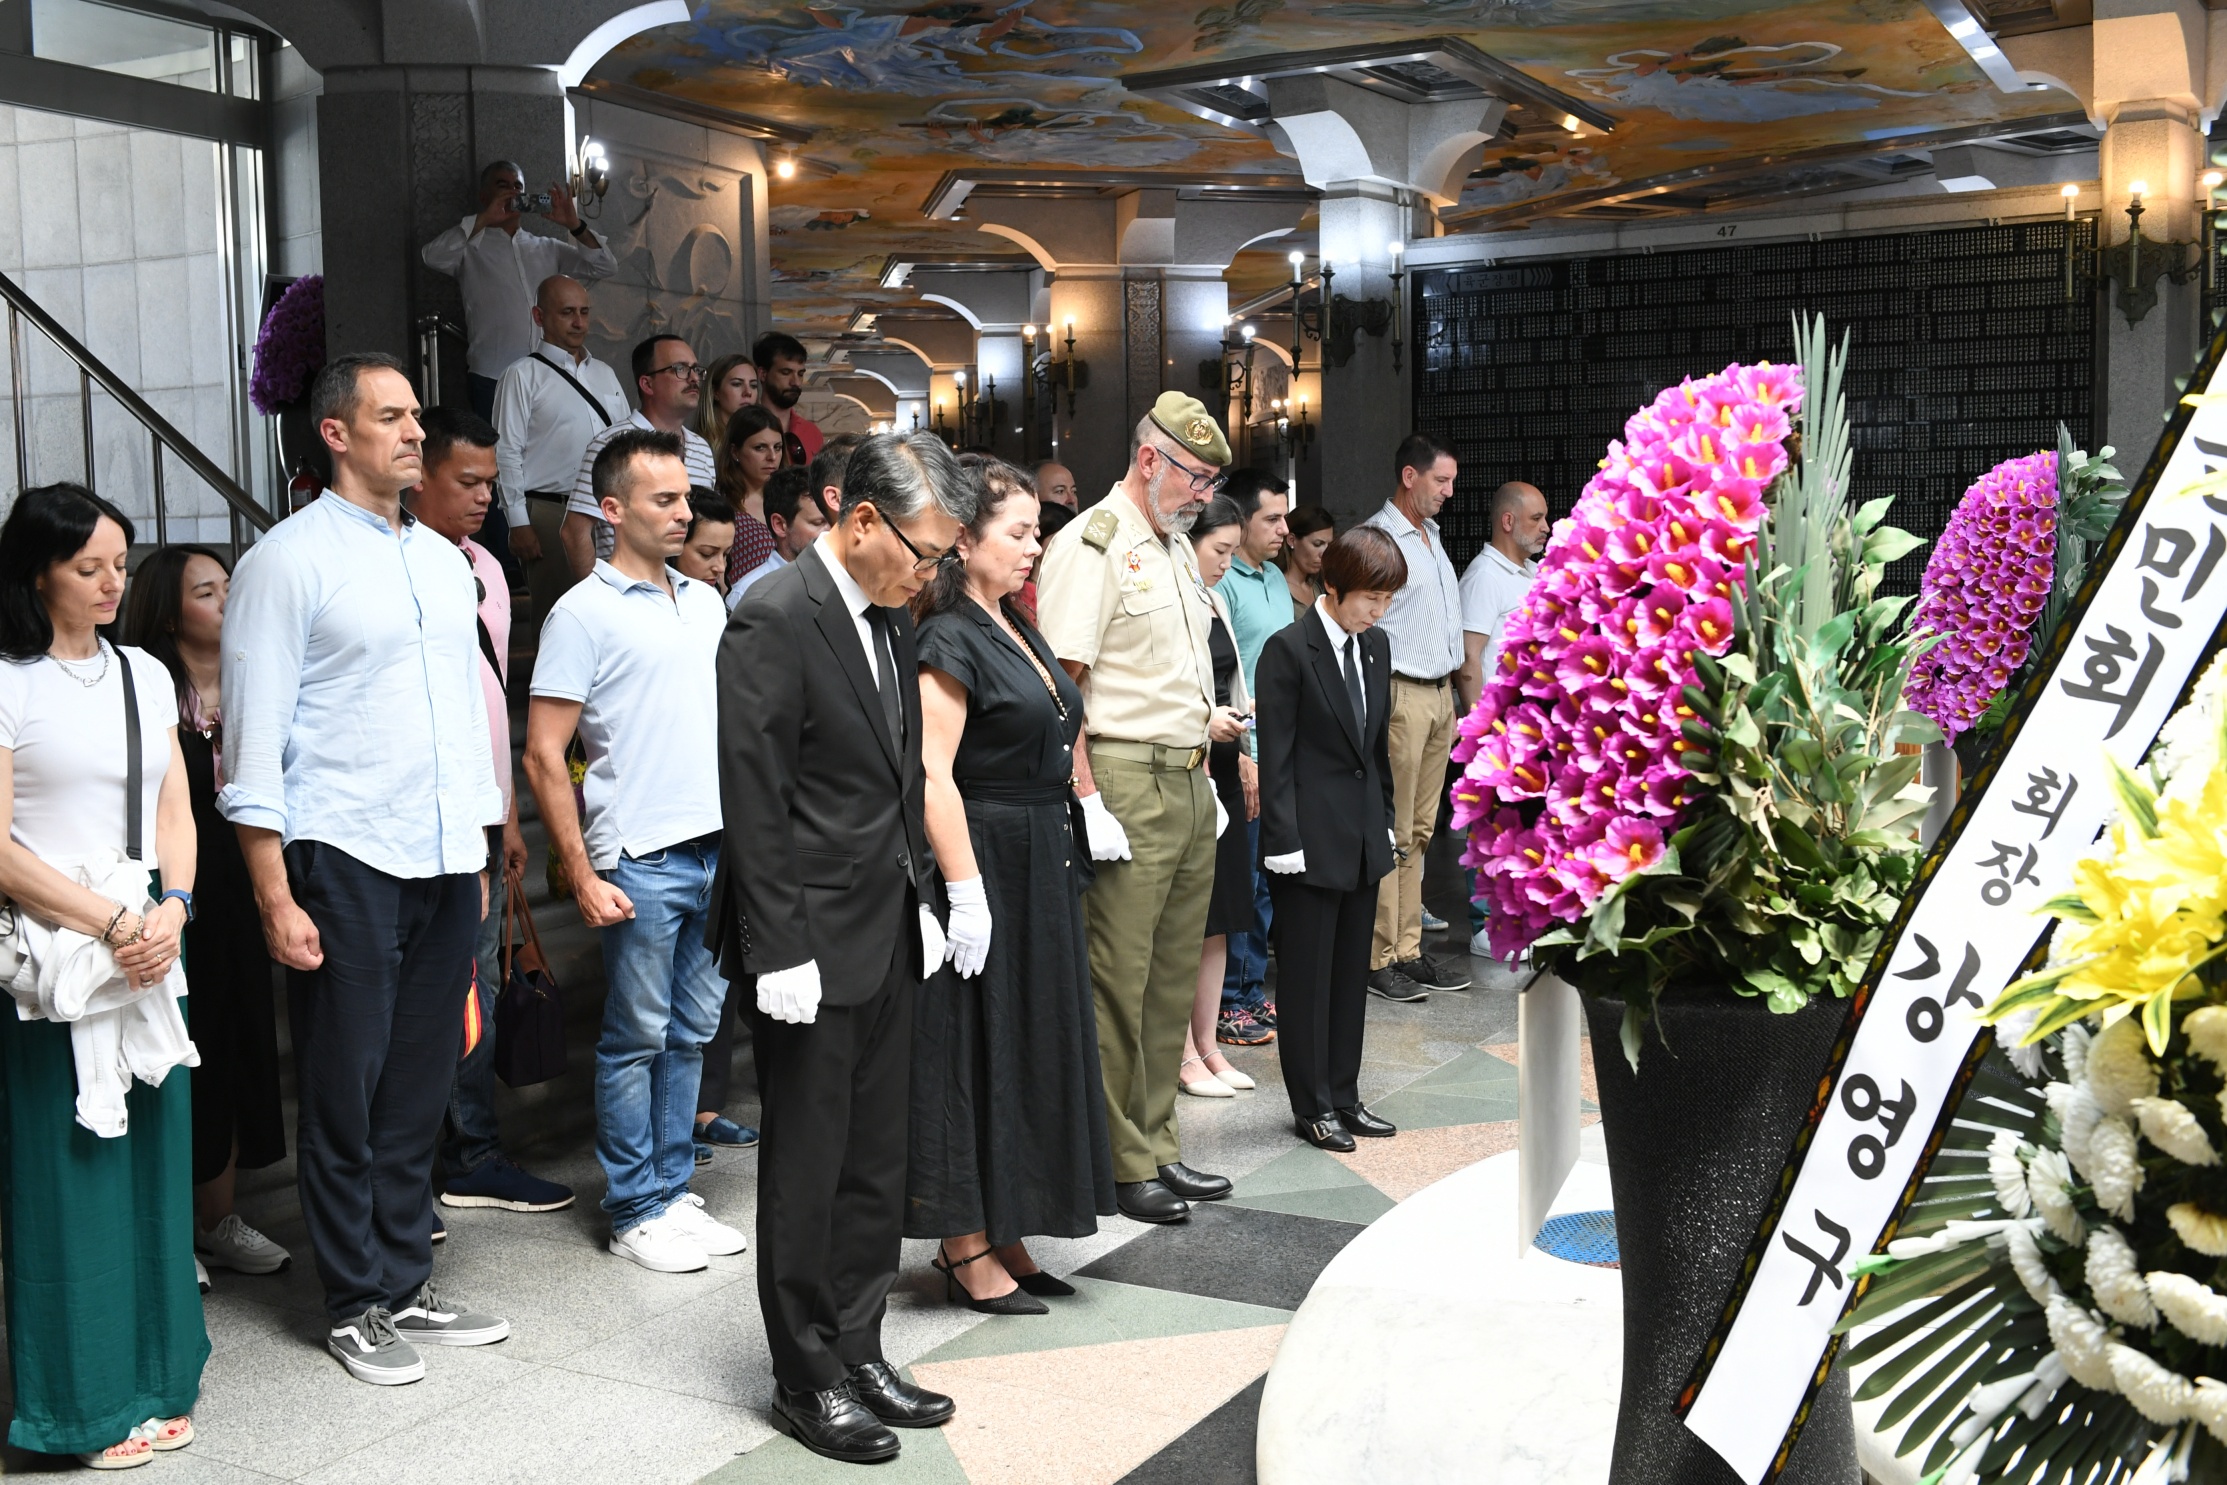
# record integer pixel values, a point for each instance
(824, 895)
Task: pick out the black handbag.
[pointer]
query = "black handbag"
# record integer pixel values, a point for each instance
(529, 1013)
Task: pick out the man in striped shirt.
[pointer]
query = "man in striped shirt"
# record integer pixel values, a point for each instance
(670, 384)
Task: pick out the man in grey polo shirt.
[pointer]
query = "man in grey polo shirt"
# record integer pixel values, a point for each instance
(627, 660)
(1424, 625)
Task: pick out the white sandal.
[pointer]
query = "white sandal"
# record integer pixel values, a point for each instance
(1209, 1086)
(1230, 1077)
(109, 1459)
(152, 1432)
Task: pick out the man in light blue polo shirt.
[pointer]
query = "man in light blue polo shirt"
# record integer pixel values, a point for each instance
(627, 659)
(1259, 604)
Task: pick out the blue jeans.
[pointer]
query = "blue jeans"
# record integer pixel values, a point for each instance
(471, 1138)
(661, 1006)
(1242, 981)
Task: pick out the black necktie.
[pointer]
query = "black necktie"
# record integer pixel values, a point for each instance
(1353, 683)
(885, 663)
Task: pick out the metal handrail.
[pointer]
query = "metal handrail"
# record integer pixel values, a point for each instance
(90, 369)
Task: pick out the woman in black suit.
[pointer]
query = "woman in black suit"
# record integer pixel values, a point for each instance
(1323, 699)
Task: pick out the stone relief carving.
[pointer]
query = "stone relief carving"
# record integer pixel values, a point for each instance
(675, 230)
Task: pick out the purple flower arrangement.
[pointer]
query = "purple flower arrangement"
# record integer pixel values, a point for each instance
(290, 348)
(1573, 778)
(1985, 587)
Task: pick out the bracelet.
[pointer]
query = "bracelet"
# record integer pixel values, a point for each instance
(106, 933)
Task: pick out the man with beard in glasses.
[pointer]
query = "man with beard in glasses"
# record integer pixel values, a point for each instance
(1121, 600)
(780, 360)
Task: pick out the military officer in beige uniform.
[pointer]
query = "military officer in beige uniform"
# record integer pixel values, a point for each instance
(1121, 601)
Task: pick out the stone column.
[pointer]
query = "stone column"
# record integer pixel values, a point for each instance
(997, 303)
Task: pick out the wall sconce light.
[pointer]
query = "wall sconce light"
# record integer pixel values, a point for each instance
(1041, 374)
(2141, 261)
(2208, 230)
(591, 173)
(1399, 303)
(785, 167)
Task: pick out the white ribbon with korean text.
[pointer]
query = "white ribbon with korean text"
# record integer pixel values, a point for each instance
(2143, 635)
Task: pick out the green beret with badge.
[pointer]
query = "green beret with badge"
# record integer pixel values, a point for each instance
(1185, 419)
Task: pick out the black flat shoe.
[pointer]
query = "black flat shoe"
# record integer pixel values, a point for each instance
(1043, 1285)
(833, 1423)
(1150, 1201)
(1324, 1134)
(1016, 1303)
(1358, 1120)
(897, 1402)
(1194, 1185)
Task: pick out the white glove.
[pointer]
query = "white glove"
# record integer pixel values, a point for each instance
(931, 941)
(1289, 865)
(1108, 841)
(969, 937)
(1221, 817)
(791, 995)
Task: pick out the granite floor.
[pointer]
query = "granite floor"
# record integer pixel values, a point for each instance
(1151, 1373)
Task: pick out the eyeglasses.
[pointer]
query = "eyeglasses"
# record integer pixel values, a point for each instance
(1203, 481)
(687, 371)
(921, 561)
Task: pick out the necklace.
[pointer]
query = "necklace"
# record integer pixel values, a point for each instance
(70, 667)
(1028, 652)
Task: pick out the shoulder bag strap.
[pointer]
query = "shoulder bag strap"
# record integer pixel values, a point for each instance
(574, 382)
(132, 803)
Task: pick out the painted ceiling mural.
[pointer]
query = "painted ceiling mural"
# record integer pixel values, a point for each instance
(898, 94)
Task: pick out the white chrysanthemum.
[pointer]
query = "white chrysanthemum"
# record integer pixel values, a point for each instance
(2210, 1407)
(2114, 1167)
(2167, 1124)
(2008, 1172)
(2193, 1307)
(2026, 1261)
(2199, 1229)
(2077, 1112)
(2191, 735)
(2010, 1034)
(2206, 1031)
(2082, 1344)
(2158, 1393)
(2119, 1067)
(2047, 1177)
(2074, 1049)
(2114, 1280)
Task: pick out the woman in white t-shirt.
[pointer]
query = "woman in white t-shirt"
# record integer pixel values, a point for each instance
(105, 1334)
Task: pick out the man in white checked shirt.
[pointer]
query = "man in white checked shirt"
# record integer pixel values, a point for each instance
(547, 407)
(1428, 651)
(670, 383)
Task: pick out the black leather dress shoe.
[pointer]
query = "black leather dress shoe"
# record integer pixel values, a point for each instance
(1324, 1134)
(834, 1423)
(1194, 1185)
(1150, 1201)
(897, 1402)
(1358, 1120)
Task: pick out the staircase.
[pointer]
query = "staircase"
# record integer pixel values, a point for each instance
(29, 383)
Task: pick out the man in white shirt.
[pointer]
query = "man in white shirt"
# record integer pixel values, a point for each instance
(499, 268)
(1425, 627)
(627, 661)
(1499, 576)
(547, 407)
(1491, 590)
(359, 774)
(670, 384)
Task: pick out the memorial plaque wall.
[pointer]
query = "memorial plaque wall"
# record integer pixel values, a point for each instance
(1966, 353)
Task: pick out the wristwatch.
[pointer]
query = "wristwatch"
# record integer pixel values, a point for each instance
(579, 231)
(183, 896)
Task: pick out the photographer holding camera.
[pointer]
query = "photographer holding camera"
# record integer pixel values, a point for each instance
(500, 269)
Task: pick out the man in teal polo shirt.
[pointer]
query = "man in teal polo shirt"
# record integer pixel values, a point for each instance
(1259, 604)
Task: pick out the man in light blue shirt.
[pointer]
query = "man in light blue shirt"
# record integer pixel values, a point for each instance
(1259, 604)
(360, 777)
(1428, 651)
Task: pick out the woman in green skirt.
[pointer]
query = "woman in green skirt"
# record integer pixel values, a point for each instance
(105, 1337)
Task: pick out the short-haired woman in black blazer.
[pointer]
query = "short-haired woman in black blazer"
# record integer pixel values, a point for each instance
(1323, 697)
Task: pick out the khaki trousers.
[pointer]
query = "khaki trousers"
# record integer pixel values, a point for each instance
(1419, 736)
(1146, 919)
(547, 578)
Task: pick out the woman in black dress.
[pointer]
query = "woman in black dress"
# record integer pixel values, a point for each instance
(1008, 1117)
(176, 614)
(1205, 1072)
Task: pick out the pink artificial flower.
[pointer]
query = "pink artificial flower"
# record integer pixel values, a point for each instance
(1710, 625)
(1629, 846)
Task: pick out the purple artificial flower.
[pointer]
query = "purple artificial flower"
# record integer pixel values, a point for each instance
(1984, 589)
(290, 348)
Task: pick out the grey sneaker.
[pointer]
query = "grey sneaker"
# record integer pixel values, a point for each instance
(371, 1350)
(429, 1322)
(234, 1245)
